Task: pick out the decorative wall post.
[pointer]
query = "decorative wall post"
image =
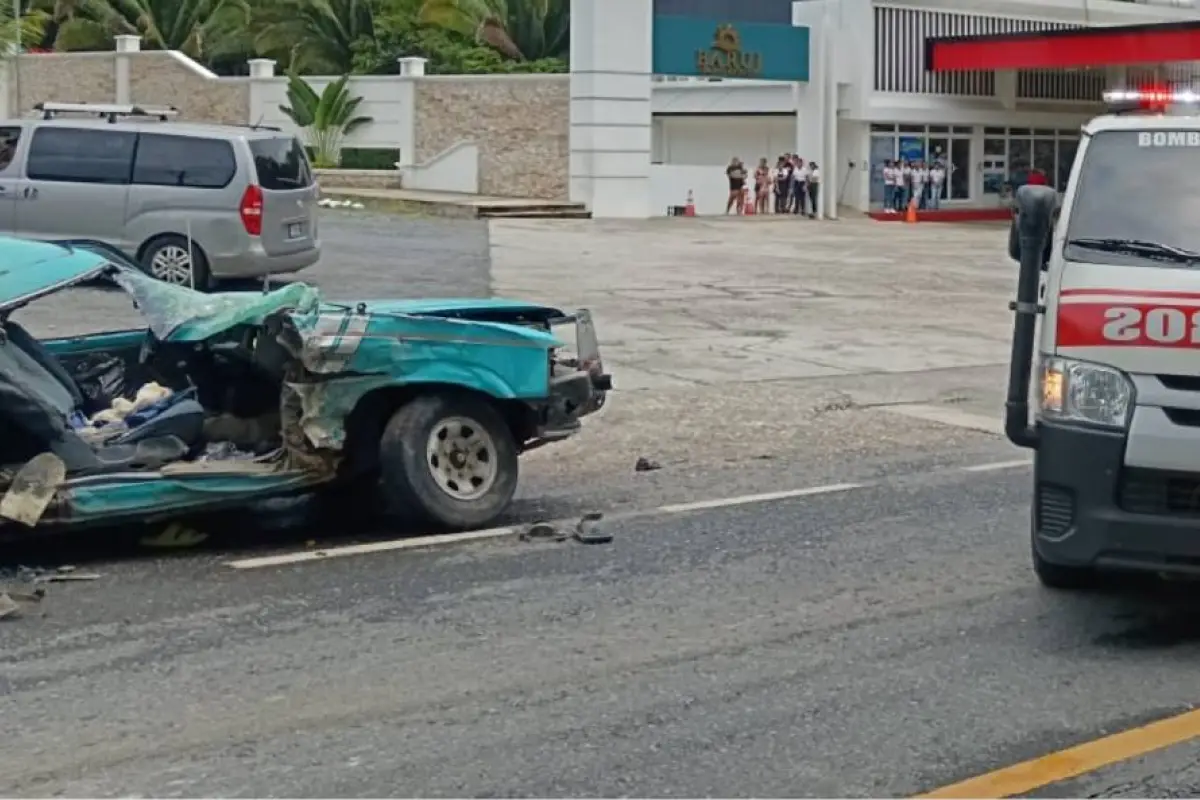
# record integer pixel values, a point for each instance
(126, 46)
(261, 71)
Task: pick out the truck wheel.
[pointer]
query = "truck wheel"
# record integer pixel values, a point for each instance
(1056, 576)
(450, 459)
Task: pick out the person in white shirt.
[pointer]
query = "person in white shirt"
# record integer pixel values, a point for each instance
(906, 174)
(937, 179)
(891, 177)
(813, 177)
(920, 177)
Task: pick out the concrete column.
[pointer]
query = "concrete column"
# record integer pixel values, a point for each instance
(610, 139)
(1006, 88)
(125, 45)
(412, 70)
(412, 66)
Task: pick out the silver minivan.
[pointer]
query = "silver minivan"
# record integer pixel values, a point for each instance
(191, 203)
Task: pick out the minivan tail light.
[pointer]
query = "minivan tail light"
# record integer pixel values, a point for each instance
(251, 210)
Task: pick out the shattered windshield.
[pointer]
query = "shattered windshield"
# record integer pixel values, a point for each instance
(182, 314)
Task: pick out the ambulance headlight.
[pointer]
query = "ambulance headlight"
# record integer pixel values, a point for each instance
(1079, 391)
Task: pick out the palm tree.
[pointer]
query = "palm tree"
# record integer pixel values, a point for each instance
(525, 30)
(326, 117)
(197, 28)
(314, 36)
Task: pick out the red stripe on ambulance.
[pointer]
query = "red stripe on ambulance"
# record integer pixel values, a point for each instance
(1132, 324)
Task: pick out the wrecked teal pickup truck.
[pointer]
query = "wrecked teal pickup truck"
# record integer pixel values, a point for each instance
(226, 399)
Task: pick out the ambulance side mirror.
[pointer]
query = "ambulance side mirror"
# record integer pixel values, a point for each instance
(1034, 214)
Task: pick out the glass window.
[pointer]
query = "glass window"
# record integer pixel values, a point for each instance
(1042, 132)
(879, 128)
(912, 128)
(965, 129)
(1020, 132)
(994, 131)
(80, 155)
(995, 147)
(9, 136)
(1127, 191)
(164, 160)
(281, 163)
(1074, 134)
(939, 128)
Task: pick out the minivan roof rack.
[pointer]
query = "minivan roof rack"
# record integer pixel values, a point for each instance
(111, 111)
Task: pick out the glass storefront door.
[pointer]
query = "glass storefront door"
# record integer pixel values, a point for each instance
(958, 168)
(950, 145)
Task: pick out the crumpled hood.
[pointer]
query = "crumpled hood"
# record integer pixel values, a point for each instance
(493, 309)
(178, 314)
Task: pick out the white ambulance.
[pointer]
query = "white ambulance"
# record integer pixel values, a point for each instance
(1111, 273)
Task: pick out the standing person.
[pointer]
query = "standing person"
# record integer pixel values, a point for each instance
(762, 186)
(737, 185)
(813, 176)
(891, 177)
(920, 180)
(937, 179)
(783, 182)
(906, 174)
(798, 186)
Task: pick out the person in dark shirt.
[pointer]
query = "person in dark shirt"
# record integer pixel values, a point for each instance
(736, 172)
(783, 184)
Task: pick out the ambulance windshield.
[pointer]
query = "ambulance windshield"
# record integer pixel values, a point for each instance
(1140, 188)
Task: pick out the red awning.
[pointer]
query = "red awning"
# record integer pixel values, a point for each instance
(1074, 47)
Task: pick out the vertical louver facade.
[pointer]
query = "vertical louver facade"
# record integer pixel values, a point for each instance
(900, 36)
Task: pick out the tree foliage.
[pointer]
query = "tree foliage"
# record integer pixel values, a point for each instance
(326, 117)
(330, 37)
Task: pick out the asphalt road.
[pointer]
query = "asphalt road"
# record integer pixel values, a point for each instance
(874, 641)
(878, 632)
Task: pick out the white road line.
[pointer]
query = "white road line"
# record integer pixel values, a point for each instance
(998, 465)
(441, 540)
(371, 547)
(726, 502)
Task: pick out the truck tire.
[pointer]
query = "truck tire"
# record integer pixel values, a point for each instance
(449, 459)
(1064, 578)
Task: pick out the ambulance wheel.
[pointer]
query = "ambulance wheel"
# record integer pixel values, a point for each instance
(449, 458)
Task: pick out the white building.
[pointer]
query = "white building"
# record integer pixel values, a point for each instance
(891, 103)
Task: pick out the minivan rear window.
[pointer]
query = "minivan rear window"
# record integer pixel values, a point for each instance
(281, 164)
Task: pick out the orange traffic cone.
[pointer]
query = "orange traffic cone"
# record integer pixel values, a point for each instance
(748, 203)
(689, 208)
(911, 214)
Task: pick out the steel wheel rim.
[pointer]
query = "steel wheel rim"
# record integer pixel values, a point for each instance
(172, 264)
(461, 457)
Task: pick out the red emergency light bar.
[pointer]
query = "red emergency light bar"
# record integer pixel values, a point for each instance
(1150, 98)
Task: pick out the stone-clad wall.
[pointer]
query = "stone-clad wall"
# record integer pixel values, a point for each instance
(521, 124)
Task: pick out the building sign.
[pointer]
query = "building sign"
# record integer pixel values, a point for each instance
(725, 58)
(720, 49)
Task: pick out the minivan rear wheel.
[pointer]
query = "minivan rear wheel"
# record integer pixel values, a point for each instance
(169, 259)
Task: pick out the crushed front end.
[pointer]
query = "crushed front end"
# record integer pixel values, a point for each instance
(579, 385)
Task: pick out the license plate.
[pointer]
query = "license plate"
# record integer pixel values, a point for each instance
(295, 230)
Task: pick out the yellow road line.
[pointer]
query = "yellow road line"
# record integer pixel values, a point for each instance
(1076, 761)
